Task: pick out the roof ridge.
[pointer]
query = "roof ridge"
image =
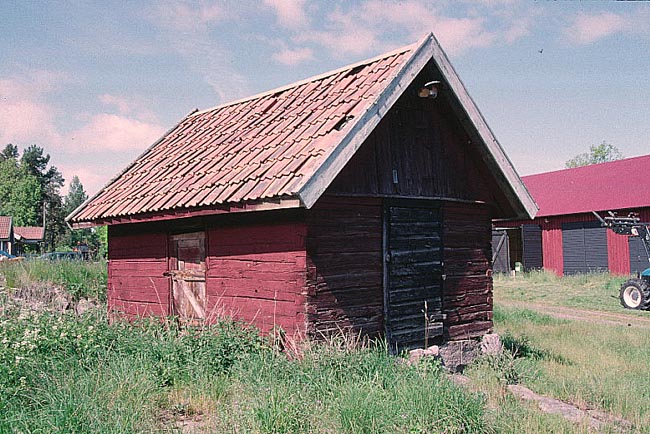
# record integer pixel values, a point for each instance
(313, 78)
(588, 166)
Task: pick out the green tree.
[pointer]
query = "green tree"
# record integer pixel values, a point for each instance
(10, 152)
(75, 197)
(35, 162)
(20, 194)
(597, 154)
(72, 237)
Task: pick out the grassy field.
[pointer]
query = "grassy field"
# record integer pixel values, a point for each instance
(75, 374)
(591, 364)
(60, 372)
(597, 291)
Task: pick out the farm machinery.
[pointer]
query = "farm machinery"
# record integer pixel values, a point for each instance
(635, 293)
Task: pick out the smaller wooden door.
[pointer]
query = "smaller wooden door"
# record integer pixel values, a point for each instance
(187, 269)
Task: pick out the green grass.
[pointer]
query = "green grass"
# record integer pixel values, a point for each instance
(65, 373)
(76, 374)
(597, 291)
(593, 365)
(62, 373)
(81, 279)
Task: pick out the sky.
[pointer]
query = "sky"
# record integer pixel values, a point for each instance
(97, 82)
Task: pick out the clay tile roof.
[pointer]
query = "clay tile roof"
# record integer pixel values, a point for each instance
(285, 144)
(622, 184)
(33, 233)
(5, 227)
(262, 147)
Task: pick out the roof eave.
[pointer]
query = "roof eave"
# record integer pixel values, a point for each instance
(69, 220)
(518, 195)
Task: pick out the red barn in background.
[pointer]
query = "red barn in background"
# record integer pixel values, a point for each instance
(571, 237)
(342, 202)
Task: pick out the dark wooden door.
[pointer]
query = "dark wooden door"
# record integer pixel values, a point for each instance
(187, 268)
(532, 254)
(638, 256)
(413, 274)
(500, 251)
(584, 247)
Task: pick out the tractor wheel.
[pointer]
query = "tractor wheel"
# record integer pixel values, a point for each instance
(635, 294)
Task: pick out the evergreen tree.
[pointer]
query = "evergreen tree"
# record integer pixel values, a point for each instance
(35, 162)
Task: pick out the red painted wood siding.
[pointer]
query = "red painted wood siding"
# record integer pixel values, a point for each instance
(256, 273)
(467, 290)
(136, 284)
(618, 249)
(345, 268)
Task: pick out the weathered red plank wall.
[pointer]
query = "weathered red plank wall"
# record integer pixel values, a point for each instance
(256, 273)
(467, 290)
(344, 263)
(136, 284)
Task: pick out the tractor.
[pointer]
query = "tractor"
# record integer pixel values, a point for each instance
(635, 293)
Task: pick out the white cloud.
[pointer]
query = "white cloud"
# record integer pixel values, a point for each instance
(185, 16)
(290, 13)
(187, 28)
(111, 132)
(291, 57)
(25, 114)
(373, 26)
(132, 106)
(589, 28)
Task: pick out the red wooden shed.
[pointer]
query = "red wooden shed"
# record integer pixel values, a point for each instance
(341, 202)
(571, 237)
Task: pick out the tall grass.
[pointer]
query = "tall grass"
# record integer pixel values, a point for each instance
(595, 291)
(79, 278)
(76, 374)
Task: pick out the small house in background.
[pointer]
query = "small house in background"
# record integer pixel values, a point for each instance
(28, 236)
(353, 200)
(6, 234)
(570, 236)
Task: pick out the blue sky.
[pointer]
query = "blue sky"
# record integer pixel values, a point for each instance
(95, 83)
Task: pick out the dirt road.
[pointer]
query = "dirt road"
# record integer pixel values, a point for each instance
(576, 314)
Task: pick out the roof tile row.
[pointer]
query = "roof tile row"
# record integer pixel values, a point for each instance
(255, 149)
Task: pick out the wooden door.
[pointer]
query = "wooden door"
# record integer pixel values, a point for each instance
(187, 269)
(413, 274)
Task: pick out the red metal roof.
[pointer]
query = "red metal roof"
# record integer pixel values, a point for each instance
(621, 184)
(5, 227)
(262, 147)
(33, 233)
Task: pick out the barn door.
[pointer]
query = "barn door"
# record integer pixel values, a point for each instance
(500, 251)
(638, 256)
(413, 274)
(584, 247)
(187, 268)
(532, 253)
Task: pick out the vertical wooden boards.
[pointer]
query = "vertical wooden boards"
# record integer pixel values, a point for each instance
(531, 239)
(187, 268)
(467, 300)
(136, 283)
(584, 247)
(344, 267)
(414, 273)
(256, 273)
(500, 251)
(419, 149)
